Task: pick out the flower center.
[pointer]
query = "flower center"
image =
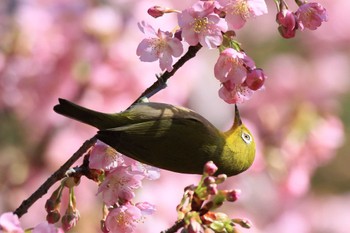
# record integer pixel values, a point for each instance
(122, 219)
(159, 46)
(241, 8)
(200, 24)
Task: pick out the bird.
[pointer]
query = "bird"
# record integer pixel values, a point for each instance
(169, 137)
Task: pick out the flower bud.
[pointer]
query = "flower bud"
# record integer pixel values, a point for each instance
(209, 180)
(210, 168)
(70, 219)
(221, 178)
(212, 189)
(156, 11)
(246, 223)
(233, 195)
(255, 79)
(287, 19)
(53, 216)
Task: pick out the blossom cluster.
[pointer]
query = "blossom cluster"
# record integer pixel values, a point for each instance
(197, 206)
(119, 181)
(309, 15)
(212, 24)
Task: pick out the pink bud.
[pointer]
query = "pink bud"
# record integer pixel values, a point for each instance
(221, 178)
(53, 216)
(287, 19)
(70, 219)
(255, 79)
(210, 168)
(286, 33)
(156, 11)
(233, 195)
(212, 189)
(209, 180)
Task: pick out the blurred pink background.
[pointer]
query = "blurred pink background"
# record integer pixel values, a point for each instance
(84, 51)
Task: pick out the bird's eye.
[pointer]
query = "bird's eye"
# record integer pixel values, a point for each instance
(246, 138)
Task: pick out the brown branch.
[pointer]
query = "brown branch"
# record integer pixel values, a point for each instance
(162, 79)
(58, 175)
(177, 225)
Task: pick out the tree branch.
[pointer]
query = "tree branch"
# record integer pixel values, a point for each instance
(58, 175)
(162, 79)
(177, 225)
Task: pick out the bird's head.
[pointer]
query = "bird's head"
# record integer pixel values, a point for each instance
(240, 141)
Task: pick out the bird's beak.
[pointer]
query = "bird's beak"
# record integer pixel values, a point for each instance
(238, 120)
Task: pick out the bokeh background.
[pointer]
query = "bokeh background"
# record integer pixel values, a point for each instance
(84, 51)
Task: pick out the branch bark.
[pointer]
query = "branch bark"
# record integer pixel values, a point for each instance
(56, 176)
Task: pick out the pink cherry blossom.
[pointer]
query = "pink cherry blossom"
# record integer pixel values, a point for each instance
(146, 208)
(120, 183)
(311, 15)
(149, 172)
(234, 93)
(104, 157)
(9, 223)
(232, 65)
(199, 24)
(158, 45)
(45, 227)
(238, 11)
(123, 219)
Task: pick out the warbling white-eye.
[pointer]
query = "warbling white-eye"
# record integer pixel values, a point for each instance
(169, 137)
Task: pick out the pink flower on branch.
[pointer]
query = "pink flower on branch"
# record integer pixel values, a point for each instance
(200, 24)
(123, 219)
(104, 157)
(234, 93)
(120, 183)
(45, 227)
(232, 65)
(159, 45)
(9, 222)
(239, 11)
(238, 75)
(311, 15)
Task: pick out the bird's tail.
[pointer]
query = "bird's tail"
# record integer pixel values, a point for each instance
(87, 116)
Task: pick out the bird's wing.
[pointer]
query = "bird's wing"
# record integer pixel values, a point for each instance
(165, 143)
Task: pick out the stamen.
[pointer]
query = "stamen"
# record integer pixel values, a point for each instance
(200, 24)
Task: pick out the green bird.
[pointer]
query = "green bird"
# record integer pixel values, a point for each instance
(169, 137)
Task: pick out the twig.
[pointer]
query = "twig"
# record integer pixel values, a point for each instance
(58, 175)
(177, 225)
(162, 79)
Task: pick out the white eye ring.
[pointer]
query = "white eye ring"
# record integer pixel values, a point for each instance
(246, 138)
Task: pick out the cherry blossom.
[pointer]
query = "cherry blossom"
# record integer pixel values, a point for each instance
(311, 15)
(158, 45)
(9, 223)
(199, 24)
(45, 227)
(238, 11)
(123, 219)
(232, 65)
(104, 157)
(120, 183)
(234, 93)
